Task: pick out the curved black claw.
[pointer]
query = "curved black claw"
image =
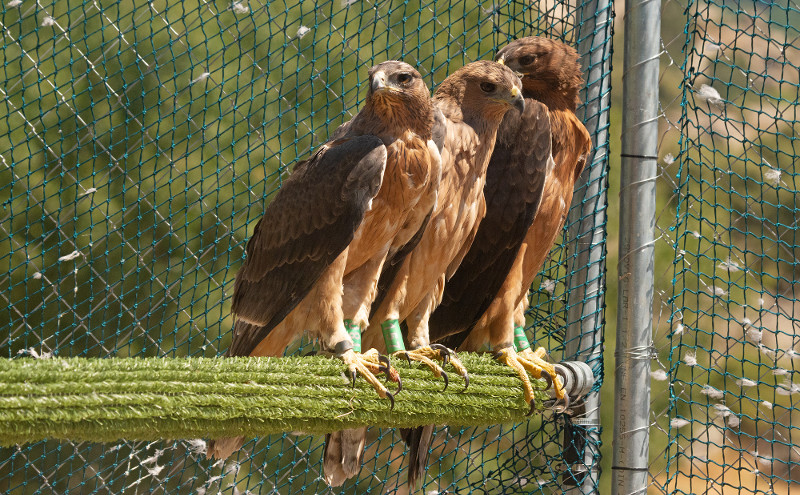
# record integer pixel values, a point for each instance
(466, 381)
(566, 399)
(446, 381)
(561, 374)
(443, 351)
(353, 376)
(384, 368)
(533, 408)
(391, 398)
(408, 358)
(548, 379)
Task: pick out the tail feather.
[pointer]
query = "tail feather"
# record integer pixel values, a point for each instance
(419, 442)
(222, 448)
(344, 451)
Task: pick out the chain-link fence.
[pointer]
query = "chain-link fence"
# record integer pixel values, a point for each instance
(724, 392)
(139, 144)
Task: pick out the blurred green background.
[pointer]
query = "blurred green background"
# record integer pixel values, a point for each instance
(140, 143)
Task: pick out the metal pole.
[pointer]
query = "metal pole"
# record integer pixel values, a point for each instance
(636, 254)
(586, 263)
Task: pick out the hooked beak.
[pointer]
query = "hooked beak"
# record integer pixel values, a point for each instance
(502, 60)
(518, 100)
(378, 81)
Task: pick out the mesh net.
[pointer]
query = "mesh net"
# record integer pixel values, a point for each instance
(139, 145)
(727, 329)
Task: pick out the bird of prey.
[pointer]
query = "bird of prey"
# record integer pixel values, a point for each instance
(314, 259)
(537, 160)
(551, 74)
(473, 100)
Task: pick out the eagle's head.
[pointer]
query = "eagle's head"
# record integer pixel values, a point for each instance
(550, 69)
(482, 89)
(400, 98)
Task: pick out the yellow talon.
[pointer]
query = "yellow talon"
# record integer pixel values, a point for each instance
(369, 363)
(427, 354)
(528, 361)
(535, 363)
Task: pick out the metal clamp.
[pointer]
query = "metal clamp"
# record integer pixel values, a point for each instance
(577, 378)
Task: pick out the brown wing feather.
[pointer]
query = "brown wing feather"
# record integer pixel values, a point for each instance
(309, 223)
(514, 183)
(419, 442)
(571, 141)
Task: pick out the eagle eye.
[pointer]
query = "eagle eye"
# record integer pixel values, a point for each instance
(527, 60)
(488, 87)
(404, 78)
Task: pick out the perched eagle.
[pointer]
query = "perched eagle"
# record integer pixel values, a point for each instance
(314, 259)
(484, 301)
(473, 100)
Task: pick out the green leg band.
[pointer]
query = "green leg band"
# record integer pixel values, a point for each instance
(520, 340)
(392, 336)
(355, 334)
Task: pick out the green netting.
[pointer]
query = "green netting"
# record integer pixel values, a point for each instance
(139, 144)
(733, 356)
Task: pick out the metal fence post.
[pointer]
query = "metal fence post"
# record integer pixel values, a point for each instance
(636, 252)
(587, 234)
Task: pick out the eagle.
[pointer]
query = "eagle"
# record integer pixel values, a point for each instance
(536, 162)
(315, 256)
(473, 100)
